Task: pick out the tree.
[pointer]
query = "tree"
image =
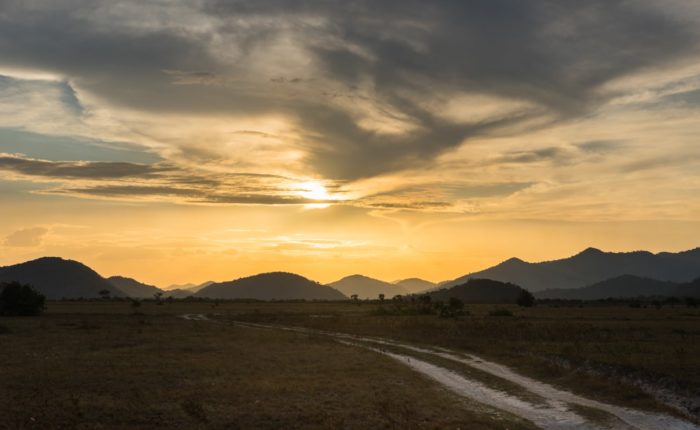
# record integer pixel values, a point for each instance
(381, 297)
(526, 299)
(20, 300)
(158, 296)
(104, 294)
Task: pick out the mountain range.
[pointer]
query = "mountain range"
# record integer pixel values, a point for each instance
(624, 287)
(588, 275)
(589, 267)
(133, 288)
(271, 286)
(367, 288)
(188, 287)
(57, 278)
(415, 285)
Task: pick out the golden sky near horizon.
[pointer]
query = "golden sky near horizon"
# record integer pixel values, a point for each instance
(182, 141)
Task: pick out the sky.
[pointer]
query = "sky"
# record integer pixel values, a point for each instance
(185, 141)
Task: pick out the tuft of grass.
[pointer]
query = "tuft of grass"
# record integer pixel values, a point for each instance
(195, 409)
(500, 312)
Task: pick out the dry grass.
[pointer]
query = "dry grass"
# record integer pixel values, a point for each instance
(95, 365)
(597, 351)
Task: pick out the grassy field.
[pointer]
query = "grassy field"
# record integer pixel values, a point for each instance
(100, 365)
(614, 353)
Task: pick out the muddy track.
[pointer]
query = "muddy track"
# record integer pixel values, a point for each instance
(546, 406)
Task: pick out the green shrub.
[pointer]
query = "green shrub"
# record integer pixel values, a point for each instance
(20, 300)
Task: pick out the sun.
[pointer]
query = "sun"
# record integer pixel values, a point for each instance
(314, 190)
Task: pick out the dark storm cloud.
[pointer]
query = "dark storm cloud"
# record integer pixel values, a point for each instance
(553, 55)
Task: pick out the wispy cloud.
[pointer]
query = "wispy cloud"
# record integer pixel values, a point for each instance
(442, 106)
(26, 237)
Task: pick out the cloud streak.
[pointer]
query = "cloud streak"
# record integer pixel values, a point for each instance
(133, 181)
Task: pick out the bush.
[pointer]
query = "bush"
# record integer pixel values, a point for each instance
(20, 300)
(526, 299)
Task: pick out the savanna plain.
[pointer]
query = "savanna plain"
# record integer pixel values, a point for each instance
(228, 365)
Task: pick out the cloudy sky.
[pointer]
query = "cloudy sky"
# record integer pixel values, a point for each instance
(178, 141)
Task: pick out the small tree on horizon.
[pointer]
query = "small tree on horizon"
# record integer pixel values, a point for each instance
(105, 294)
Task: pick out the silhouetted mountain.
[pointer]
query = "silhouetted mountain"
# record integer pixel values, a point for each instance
(133, 288)
(271, 286)
(621, 287)
(415, 285)
(187, 286)
(178, 293)
(200, 286)
(191, 287)
(480, 291)
(57, 278)
(366, 288)
(591, 266)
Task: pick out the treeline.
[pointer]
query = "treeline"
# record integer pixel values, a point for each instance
(18, 299)
(641, 302)
(425, 304)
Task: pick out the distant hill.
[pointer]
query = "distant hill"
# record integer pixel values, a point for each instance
(57, 278)
(624, 287)
(191, 287)
(591, 266)
(187, 286)
(271, 286)
(366, 287)
(415, 285)
(480, 291)
(690, 289)
(133, 288)
(178, 293)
